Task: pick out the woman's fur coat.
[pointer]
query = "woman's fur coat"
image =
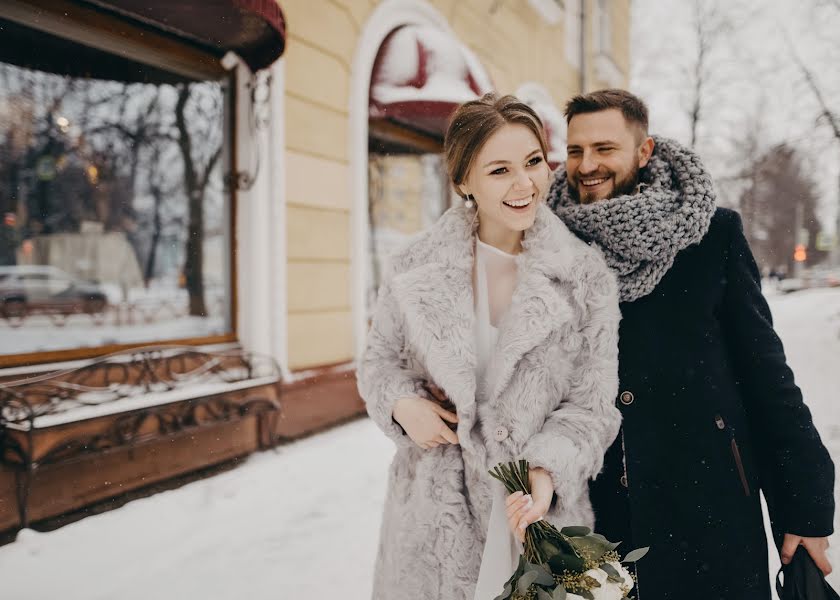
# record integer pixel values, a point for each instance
(552, 393)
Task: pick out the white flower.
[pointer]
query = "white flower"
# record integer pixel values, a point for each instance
(625, 574)
(610, 590)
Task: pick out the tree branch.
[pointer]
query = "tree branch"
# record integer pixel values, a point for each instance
(825, 110)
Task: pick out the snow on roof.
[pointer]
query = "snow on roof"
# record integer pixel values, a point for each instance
(422, 63)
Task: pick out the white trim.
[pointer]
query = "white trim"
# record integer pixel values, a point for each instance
(607, 71)
(141, 400)
(42, 368)
(550, 10)
(279, 237)
(261, 222)
(387, 16)
(573, 33)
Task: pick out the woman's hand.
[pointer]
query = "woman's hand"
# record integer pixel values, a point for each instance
(425, 422)
(522, 510)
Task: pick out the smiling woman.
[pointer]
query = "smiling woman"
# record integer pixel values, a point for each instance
(479, 307)
(496, 155)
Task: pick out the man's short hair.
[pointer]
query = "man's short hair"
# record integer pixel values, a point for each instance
(633, 108)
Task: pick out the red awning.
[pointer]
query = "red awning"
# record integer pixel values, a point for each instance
(254, 29)
(421, 74)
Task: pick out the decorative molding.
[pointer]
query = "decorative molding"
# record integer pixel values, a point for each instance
(151, 369)
(261, 226)
(25, 447)
(387, 16)
(550, 10)
(607, 71)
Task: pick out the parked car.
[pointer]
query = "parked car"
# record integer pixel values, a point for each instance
(26, 289)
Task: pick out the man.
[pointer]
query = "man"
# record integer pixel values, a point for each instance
(711, 414)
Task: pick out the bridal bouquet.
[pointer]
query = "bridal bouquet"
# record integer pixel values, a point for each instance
(570, 564)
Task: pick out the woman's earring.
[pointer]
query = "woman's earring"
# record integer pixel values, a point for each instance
(469, 201)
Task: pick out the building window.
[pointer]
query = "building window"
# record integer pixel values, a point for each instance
(574, 32)
(116, 219)
(603, 27)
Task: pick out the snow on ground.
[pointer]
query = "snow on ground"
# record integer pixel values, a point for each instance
(301, 520)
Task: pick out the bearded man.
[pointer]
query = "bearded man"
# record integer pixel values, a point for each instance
(711, 413)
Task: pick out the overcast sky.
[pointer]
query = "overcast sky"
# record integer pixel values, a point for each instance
(753, 84)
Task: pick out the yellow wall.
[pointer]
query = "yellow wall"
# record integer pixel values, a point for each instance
(514, 44)
(321, 40)
(620, 52)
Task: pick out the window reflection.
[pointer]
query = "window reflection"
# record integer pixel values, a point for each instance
(115, 219)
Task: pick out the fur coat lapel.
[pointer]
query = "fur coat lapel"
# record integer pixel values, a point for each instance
(436, 293)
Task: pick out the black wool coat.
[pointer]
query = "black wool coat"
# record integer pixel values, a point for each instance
(711, 416)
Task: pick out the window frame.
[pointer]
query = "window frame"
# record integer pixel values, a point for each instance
(90, 27)
(573, 33)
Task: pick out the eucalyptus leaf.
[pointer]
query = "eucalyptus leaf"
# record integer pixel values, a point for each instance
(520, 568)
(636, 554)
(565, 562)
(576, 531)
(544, 576)
(548, 548)
(542, 594)
(587, 594)
(526, 580)
(611, 571)
(559, 593)
(505, 593)
(607, 544)
(590, 547)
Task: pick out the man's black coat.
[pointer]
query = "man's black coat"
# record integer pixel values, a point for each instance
(711, 415)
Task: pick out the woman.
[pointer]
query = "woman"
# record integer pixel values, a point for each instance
(516, 321)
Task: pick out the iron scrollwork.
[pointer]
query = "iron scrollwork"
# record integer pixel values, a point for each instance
(102, 381)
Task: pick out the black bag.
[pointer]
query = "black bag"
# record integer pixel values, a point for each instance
(803, 580)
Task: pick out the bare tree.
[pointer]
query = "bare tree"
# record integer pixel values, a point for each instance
(198, 167)
(698, 69)
(826, 116)
(161, 188)
(780, 200)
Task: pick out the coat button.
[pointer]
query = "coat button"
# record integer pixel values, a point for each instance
(500, 434)
(627, 398)
(623, 480)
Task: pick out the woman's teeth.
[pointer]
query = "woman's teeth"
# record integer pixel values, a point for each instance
(593, 182)
(518, 203)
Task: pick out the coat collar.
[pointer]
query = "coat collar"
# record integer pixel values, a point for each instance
(434, 288)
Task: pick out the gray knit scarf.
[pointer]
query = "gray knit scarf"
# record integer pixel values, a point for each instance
(641, 234)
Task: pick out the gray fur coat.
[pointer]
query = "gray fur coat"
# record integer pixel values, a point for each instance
(551, 394)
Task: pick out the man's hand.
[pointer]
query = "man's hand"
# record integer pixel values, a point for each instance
(425, 422)
(816, 547)
(439, 396)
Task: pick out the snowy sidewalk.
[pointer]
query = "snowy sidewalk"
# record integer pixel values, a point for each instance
(301, 521)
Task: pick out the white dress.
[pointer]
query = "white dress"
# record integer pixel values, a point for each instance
(494, 280)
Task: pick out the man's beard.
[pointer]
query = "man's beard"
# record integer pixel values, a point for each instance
(622, 187)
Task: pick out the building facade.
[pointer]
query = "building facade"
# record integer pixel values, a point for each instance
(229, 177)
(348, 152)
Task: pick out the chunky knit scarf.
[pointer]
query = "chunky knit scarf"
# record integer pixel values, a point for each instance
(642, 233)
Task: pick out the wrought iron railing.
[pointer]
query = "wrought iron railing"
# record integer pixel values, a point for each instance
(28, 405)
